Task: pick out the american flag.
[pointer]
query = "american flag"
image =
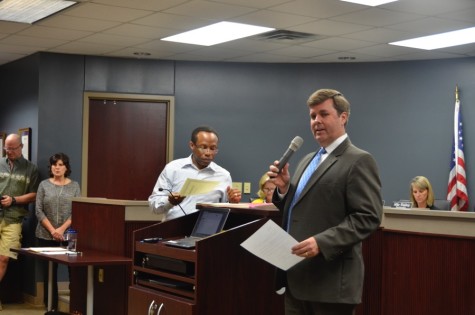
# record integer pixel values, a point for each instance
(457, 188)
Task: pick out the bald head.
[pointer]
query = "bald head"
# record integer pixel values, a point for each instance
(13, 146)
(13, 138)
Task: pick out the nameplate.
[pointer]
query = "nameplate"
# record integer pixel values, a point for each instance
(402, 204)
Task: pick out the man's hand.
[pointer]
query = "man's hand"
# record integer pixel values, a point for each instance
(234, 195)
(307, 248)
(175, 198)
(282, 179)
(6, 201)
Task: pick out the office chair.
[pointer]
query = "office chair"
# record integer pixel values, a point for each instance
(441, 204)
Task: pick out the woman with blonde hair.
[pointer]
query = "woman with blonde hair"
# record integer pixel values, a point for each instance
(422, 195)
(266, 189)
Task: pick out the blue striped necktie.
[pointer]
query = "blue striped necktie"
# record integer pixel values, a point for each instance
(311, 167)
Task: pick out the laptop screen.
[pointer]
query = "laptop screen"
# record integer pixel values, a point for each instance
(210, 221)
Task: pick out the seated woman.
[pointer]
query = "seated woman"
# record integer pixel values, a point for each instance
(266, 189)
(422, 195)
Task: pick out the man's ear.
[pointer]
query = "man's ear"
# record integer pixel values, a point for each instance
(344, 118)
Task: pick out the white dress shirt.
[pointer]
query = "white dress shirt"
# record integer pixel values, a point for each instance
(174, 176)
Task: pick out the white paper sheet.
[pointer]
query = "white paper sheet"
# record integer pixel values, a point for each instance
(50, 250)
(272, 244)
(197, 187)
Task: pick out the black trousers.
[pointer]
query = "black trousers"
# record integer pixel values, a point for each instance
(294, 306)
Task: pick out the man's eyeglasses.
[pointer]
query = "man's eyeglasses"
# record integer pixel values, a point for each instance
(206, 149)
(11, 149)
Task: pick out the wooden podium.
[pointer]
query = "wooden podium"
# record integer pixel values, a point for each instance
(106, 226)
(217, 277)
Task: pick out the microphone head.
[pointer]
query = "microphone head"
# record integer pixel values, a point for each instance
(160, 189)
(296, 143)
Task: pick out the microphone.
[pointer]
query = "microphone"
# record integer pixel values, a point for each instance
(169, 191)
(294, 146)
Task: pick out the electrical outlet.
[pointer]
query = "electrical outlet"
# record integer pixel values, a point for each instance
(247, 188)
(100, 275)
(237, 185)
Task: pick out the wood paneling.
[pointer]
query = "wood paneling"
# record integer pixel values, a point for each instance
(427, 274)
(102, 227)
(373, 255)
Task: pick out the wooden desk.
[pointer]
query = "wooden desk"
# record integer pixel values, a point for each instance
(418, 262)
(455, 223)
(89, 258)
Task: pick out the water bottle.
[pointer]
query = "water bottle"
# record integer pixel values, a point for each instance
(71, 236)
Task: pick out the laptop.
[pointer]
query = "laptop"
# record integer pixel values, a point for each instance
(210, 221)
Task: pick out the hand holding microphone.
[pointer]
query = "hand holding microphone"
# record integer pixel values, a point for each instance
(282, 178)
(174, 199)
(294, 146)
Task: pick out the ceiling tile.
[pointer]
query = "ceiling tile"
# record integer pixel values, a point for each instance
(302, 51)
(339, 43)
(273, 19)
(329, 28)
(376, 17)
(107, 13)
(430, 25)
(77, 23)
(210, 10)
(53, 32)
(318, 8)
(172, 21)
(111, 39)
(379, 35)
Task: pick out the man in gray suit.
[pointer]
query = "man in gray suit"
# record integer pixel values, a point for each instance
(331, 204)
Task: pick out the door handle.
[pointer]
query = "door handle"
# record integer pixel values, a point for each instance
(151, 308)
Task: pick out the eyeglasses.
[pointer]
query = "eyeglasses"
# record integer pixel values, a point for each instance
(268, 189)
(206, 149)
(11, 149)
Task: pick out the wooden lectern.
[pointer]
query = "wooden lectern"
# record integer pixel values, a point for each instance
(217, 277)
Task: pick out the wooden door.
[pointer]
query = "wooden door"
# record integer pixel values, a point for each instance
(127, 147)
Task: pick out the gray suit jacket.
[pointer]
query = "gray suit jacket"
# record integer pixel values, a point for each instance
(340, 206)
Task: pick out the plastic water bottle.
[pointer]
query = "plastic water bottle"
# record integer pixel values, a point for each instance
(71, 236)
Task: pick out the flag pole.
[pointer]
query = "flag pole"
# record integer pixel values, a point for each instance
(457, 188)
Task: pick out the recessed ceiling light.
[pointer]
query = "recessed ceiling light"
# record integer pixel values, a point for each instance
(372, 3)
(217, 33)
(30, 11)
(442, 40)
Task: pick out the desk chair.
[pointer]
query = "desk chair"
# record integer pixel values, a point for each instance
(441, 204)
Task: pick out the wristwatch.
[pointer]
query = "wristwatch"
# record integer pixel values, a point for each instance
(13, 201)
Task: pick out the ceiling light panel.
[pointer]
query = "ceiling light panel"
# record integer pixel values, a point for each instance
(217, 33)
(30, 11)
(372, 3)
(442, 40)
